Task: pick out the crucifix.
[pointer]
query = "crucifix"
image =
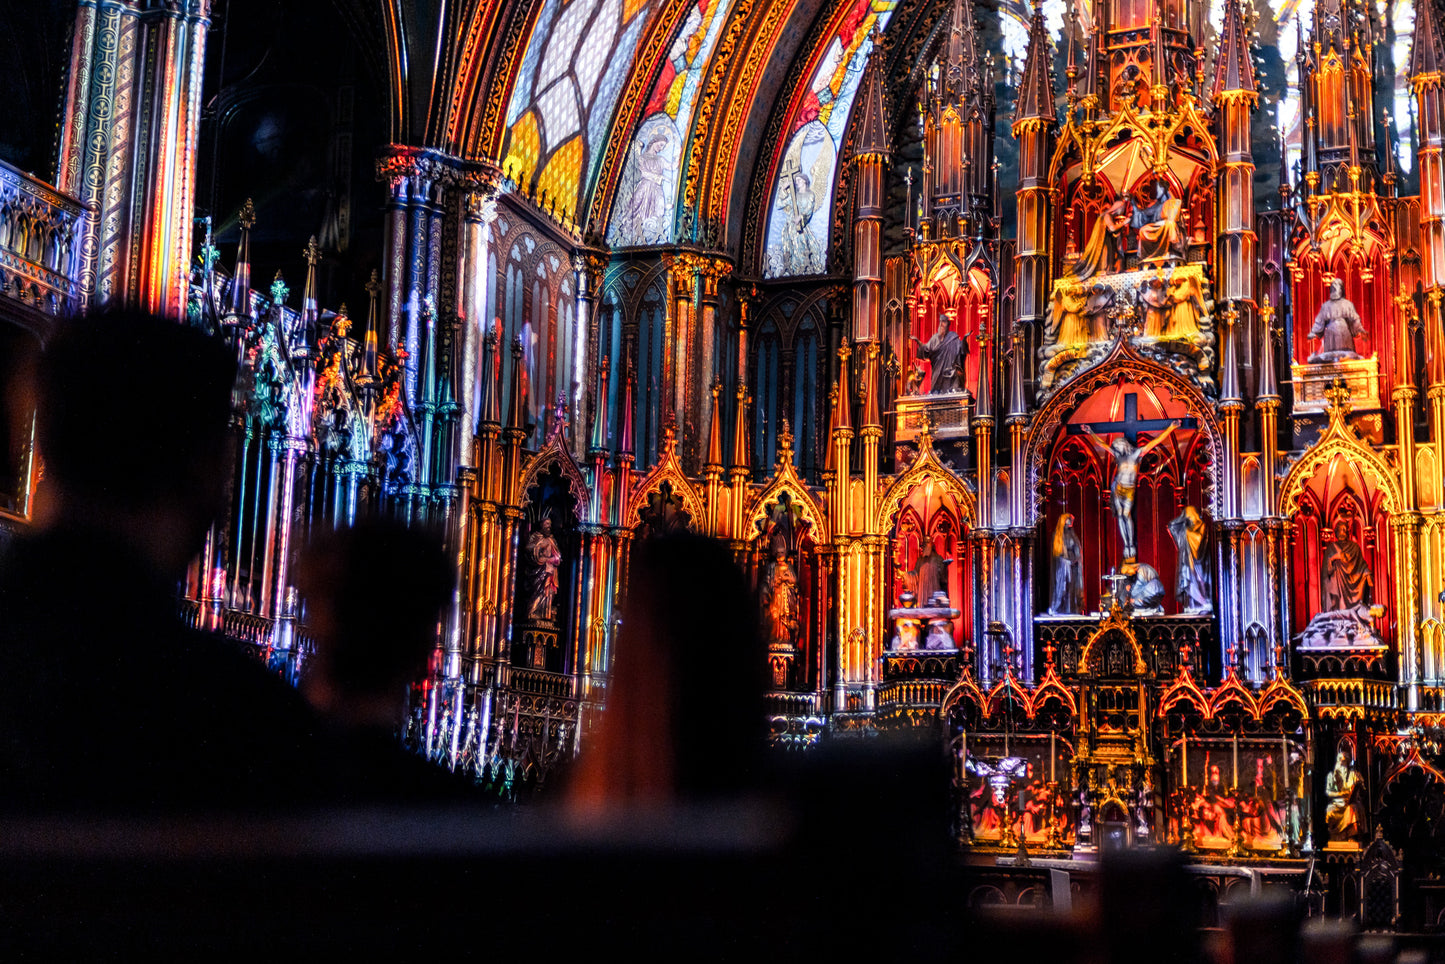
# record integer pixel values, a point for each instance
(1127, 456)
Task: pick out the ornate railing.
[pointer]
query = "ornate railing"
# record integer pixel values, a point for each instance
(536, 682)
(1161, 638)
(40, 232)
(913, 693)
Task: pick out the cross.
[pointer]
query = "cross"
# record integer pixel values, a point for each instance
(1114, 578)
(1132, 424)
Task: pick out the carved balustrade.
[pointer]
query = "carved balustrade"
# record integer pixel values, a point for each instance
(40, 231)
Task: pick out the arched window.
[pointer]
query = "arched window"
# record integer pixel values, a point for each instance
(650, 404)
(767, 376)
(806, 410)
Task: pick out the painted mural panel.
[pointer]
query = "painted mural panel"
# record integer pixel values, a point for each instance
(797, 240)
(643, 212)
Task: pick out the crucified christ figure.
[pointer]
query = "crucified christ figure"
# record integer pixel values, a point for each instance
(1126, 475)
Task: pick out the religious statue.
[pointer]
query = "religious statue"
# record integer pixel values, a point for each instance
(1105, 248)
(1146, 590)
(545, 557)
(1347, 579)
(1068, 562)
(944, 353)
(780, 600)
(1337, 325)
(1344, 813)
(1186, 307)
(931, 574)
(1126, 477)
(1192, 589)
(1066, 327)
(1158, 227)
(1154, 304)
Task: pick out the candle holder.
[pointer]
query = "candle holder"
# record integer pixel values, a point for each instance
(1236, 837)
(1056, 833)
(1184, 798)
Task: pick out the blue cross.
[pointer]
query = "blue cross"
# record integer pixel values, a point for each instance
(1132, 424)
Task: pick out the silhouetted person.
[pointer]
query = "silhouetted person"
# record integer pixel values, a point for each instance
(374, 595)
(684, 718)
(106, 699)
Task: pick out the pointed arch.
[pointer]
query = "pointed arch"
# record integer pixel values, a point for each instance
(926, 468)
(786, 479)
(1340, 439)
(668, 469)
(555, 452)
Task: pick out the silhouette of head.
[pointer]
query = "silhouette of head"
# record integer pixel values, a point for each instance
(662, 736)
(373, 595)
(132, 422)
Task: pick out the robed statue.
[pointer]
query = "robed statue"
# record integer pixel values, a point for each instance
(1126, 476)
(944, 352)
(1068, 560)
(1190, 533)
(930, 575)
(1344, 811)
(545, 557)
(1104, 251)
(1157, 226)
(780, 600)
(1347, 580)
(1337, 325)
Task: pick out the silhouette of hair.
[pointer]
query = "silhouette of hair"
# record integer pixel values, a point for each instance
(376, 591)
(684, 707)
(133, 407)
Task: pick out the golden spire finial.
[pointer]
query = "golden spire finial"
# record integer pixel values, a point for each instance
(1337, 399)
(247, 216)
(312, 252)
(785, 442)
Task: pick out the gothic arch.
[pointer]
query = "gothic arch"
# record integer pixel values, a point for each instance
(785, 479)
(1340, 439)
(926, 467)
(1121, 363)
(555, 452)
(669, 470)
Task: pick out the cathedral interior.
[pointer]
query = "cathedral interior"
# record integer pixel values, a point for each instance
(1024, 356)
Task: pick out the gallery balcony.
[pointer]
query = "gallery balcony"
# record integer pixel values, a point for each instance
(40, 230)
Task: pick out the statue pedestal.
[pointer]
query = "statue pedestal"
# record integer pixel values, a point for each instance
(1311, 379)
(908, 624)
(948, 412)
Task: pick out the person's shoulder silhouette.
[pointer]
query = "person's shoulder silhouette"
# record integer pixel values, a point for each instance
(107, 700)
(374, 594)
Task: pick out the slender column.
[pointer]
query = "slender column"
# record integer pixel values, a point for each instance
(1407, 594)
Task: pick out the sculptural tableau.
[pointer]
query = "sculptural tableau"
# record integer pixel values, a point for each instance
(1068, 595)
(1346, 587)
(1190, 531)
(1126, 476)
(1344, 813)
(944, 352)
(545, 557)
(780, 600)
(1146, 590)
(1337, 325)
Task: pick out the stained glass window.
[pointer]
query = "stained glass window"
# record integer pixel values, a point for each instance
(645, 207)
(797, 239)
(574, 67)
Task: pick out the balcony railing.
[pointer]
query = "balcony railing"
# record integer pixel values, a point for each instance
(40, 232)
